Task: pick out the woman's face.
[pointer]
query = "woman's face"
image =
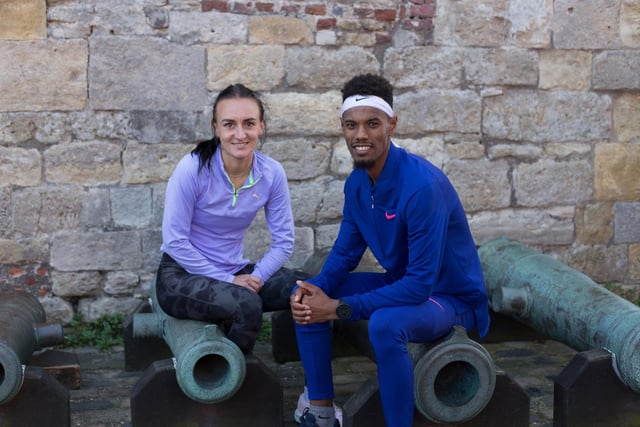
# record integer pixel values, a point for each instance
(239, 126)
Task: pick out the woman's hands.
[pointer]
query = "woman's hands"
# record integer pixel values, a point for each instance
(309, 304)
(248, 281)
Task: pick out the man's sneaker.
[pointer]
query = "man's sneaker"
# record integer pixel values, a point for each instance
(303, 403)
(308, 420)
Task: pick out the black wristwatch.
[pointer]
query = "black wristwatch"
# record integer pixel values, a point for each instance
(343, 310)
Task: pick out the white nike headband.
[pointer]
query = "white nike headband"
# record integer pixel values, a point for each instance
(367, 101)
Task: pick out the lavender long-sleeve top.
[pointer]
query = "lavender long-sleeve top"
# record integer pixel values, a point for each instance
(205, 218)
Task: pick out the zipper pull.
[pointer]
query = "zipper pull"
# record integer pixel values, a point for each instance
(373, 202)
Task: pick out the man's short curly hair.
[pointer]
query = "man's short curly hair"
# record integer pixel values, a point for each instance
(369, 84)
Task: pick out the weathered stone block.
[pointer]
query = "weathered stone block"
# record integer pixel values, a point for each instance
(553, 226)
(207, 28)
(504, 66)
(601, 263)
(306, 199)
(626, 117)
(548, 182)
(80, 251)
(531, 22)
(20, 166)
(617, 172)
(147, 163)
(626, 222)
(290, 113)
(47, 209)
(23, 19)
(120, 282)
(565, 69)
(431, 149)
(258, 67)
(155, 127)
(95, 211)
(520, 151)
(424, 66)
(594, 223)
(481, 184)
(279, 30)
(332, 201)
(586, 25)
(120, 70)
(326, 236)
(151, 253)
(6, 221)
(551, 116)
(301, 158)
(634, 262)
(90, 163)
(462, 23)
(629, 18)
(616, 69)
(439, 110)
(341, 160)
(57, 309)
(24, 250)
(92, 309)
(76, 284)
(131, 206)
(314, 67)
(25, 87)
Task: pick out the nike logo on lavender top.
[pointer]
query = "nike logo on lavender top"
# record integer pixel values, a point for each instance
(389, 216)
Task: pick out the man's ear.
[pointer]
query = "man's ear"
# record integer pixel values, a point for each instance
(392, 124)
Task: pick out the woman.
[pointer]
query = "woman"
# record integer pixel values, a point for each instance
(212, 197)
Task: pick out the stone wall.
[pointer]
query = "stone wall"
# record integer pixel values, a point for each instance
(532, 108)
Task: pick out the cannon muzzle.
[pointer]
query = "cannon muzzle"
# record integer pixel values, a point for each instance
(454, 377)
(562, 303)
(210, 368)
(22, 331)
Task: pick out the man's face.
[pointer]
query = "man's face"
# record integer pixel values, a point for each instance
(367, 132)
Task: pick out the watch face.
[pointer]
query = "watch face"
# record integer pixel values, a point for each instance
(343, 311)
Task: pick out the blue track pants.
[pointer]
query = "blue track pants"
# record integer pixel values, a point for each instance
(390, 329)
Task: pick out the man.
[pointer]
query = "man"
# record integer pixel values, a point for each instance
(407, 212)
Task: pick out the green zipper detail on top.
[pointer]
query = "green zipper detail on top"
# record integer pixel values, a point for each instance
(244, 187)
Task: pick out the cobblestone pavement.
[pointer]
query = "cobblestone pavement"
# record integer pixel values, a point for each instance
(103, 398)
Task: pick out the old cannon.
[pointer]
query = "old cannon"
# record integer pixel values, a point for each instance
(210, 368)
(563, 304)
(22, 331)
(454, 377)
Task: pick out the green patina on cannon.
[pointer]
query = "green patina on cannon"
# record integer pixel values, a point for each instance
(22, 331)
(563, 304)
(454, 378)
(210, 368)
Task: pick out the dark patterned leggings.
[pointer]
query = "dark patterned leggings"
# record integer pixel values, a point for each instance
(237, 310)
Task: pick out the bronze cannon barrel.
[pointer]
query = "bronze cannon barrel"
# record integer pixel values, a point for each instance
(22, 331)
(454, 378)
(210, 368)
(562, 303)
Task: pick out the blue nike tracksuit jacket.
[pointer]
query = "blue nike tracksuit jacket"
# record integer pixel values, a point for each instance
(414, 223)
